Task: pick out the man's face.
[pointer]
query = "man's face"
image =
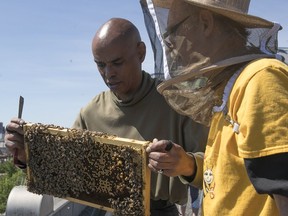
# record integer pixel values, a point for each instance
(182, 37)
(119, 64)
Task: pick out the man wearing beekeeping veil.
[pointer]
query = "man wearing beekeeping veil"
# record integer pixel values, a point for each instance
(222, 69)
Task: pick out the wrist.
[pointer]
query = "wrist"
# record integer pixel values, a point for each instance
(190, 175)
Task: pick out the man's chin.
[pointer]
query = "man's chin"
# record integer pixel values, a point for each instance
(116, 93)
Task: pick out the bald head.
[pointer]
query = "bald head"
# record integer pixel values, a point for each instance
(115, 30)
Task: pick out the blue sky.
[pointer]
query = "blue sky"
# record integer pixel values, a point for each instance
(45, 52)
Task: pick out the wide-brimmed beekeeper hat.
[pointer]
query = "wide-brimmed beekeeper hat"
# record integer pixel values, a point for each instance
(263, 34)
(192, 81)
(236, 10)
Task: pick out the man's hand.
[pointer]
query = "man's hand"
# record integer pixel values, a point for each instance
(14, 138)
(170, 159)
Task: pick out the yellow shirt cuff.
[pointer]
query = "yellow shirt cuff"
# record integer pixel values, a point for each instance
(198, 179)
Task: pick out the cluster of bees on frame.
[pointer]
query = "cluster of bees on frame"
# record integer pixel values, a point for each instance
(77, 166)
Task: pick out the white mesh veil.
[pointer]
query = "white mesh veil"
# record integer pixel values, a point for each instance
(193, 84)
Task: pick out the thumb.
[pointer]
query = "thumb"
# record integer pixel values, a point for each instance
(148, 149)
(155, 140)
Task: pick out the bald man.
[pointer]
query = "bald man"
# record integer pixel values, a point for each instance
(133, 108)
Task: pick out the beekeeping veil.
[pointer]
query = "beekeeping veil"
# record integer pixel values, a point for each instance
(194, 84)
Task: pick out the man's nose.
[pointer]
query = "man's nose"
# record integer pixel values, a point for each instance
(109, 72)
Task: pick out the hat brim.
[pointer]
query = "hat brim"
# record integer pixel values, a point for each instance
(248, 21)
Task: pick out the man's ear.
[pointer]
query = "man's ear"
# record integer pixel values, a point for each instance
(207, 20)
(141, 47)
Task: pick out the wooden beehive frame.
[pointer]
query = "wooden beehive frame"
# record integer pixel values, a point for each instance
(37, 160)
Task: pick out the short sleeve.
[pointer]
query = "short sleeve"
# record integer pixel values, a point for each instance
(262, 113)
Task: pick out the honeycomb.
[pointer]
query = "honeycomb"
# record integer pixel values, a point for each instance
(91, 168)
